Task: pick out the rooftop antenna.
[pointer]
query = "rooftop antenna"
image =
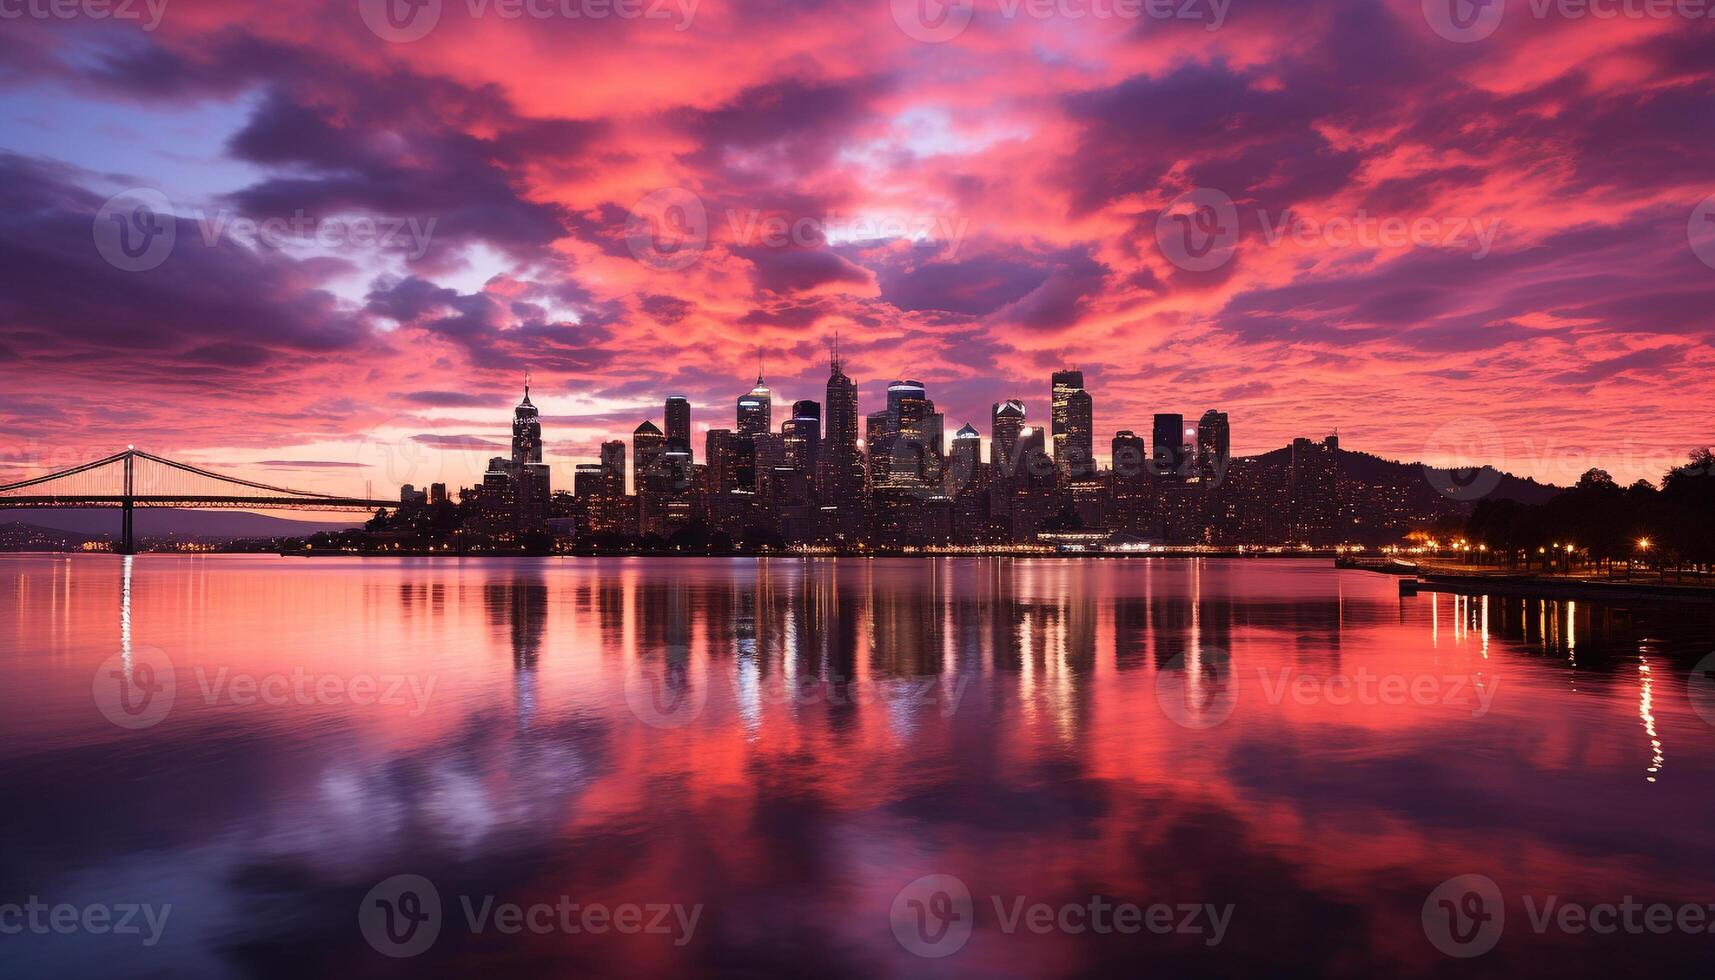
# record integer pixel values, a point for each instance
(834, 356)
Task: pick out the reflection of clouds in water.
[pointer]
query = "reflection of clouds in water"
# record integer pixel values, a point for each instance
(359, 813)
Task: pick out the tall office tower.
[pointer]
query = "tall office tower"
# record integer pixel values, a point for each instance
(1006, 421)
(914, 430)
(720, 449)
(679, 425)
(1064, 383)
(647, 443)
(844, 486)
(1169, 440)
(1129, 483)
(533, 491)
(755, 410)
(1312, 491)
(526, 431)
(1214, 444)
(1075, 444)
(613, 468)
(803, 436)
(589, 480)
(897, 392)
(965, 460)
(878, 440)
(842, 464)
(1034, 496)
(1130, 454)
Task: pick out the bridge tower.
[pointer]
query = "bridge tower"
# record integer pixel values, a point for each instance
(127, 538)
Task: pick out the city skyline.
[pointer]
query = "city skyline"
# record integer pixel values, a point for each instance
(973, 212)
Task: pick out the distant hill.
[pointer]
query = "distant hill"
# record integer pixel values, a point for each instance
(1368, 469)
(214, 525)
(1374, 469)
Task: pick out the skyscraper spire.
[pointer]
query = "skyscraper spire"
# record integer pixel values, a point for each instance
(526, 387)
(834, 364)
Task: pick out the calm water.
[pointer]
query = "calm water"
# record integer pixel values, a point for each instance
(744, 768)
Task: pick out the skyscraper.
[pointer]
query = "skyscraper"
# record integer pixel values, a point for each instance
(841, 478)
(755, 410)
(613, 468)
(1006, 421)
(647, 443)
(679, 424)
(1063, 385)
(532, 474)
(1169, 442)
(803, 436)
(1076, 442)
(966, 459)
(526, 431)
(1214, 444)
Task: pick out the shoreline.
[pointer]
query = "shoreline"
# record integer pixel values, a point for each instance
(1416, 579)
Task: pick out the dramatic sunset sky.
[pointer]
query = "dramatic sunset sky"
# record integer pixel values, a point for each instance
(1021, 169)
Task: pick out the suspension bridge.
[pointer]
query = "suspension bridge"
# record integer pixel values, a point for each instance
(133, 478)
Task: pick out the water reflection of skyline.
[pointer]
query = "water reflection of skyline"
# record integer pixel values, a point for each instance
(531, 773)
